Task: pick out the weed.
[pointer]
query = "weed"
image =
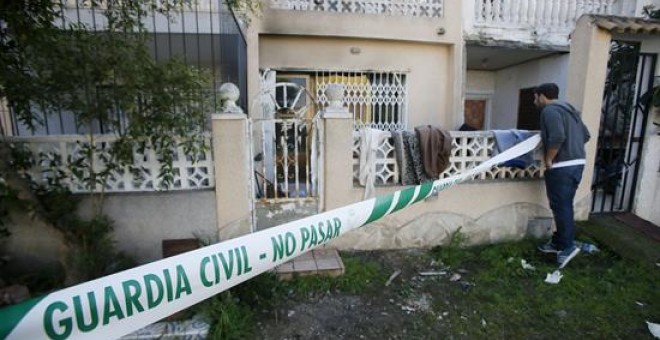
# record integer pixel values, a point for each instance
(455, 251)
(359, 277)
(230, 319)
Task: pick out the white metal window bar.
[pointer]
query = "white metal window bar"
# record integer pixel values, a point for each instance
(377, 99)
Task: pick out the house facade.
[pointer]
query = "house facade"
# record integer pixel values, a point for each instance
(458, 62)
(398, 64)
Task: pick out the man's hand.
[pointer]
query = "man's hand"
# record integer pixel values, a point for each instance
(550, 155)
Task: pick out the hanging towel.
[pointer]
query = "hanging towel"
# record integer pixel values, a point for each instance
(416, 157)
(410, 176)
(435, 149)
(402, 158)
(505, 139)
(370, 139)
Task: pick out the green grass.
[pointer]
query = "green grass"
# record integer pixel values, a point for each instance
(360, 277)
(599, 296)
(230, 319)
(596, 297)
(233, 313)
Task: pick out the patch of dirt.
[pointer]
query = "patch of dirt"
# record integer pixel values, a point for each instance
(412, 306)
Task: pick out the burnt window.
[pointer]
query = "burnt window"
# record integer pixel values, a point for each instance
(529, 116)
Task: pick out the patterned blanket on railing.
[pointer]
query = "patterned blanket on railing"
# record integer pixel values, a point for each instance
(409, 158)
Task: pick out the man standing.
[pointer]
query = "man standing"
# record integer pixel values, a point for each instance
(564, 135)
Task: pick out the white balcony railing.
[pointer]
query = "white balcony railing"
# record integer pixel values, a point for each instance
(469, 149)
(533, 22)
(414, 8)
(560, 14)
(54, 153)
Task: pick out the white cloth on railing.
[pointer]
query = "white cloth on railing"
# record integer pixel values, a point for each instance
(505, 139)
(370, 139)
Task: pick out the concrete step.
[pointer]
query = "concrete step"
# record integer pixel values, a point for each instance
(323, 262)
(622, 238)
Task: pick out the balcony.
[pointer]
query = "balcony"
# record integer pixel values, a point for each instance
(414, 8)
(532, 22)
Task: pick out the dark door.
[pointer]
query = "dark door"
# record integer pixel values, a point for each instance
(529, 116)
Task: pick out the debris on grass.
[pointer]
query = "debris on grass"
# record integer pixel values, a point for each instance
(587, 248)
(554, 278)
(654, 328)
(430, 273)
(455, 277)
(419, 304)
(392, 277)
(526, 265)
(561, 313)
(466, 285)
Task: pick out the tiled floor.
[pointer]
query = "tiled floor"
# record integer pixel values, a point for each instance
(325, 261)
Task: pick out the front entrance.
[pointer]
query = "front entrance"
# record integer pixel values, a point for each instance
(285, 151)
(623, 121)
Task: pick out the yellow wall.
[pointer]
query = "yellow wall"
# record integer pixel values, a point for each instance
(427, 66)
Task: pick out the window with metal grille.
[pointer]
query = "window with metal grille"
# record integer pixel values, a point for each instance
(377, 99)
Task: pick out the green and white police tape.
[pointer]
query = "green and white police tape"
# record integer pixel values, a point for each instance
(118, 304)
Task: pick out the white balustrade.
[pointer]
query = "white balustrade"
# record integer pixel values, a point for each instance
(415, 8)
(558, 14)
(469, 149)
(54, 153)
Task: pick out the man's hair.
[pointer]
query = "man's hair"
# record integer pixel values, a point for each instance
(549, 90)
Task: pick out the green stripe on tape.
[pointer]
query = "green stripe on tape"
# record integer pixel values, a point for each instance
(424, 190)
(404, 198)
(381, 206)
(12, 315)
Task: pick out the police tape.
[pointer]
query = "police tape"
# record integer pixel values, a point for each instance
(118, 304)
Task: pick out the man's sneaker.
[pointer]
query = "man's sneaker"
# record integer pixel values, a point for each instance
(548, 248)
(566, 255)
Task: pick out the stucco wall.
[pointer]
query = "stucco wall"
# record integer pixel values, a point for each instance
(486, 213)
(480, 82)
(428, 67)
(648, 188)
(510, 81)
(144, 220)
(32, 246)
(141, 220)
(648, 194)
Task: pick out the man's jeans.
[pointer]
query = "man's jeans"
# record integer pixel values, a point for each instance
(561, 184)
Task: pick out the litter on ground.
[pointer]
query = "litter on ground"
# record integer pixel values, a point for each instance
(554, 278)
(526, 265)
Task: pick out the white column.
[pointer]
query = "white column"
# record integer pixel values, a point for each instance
(233, 167)
(587, 71)
(337, 151)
